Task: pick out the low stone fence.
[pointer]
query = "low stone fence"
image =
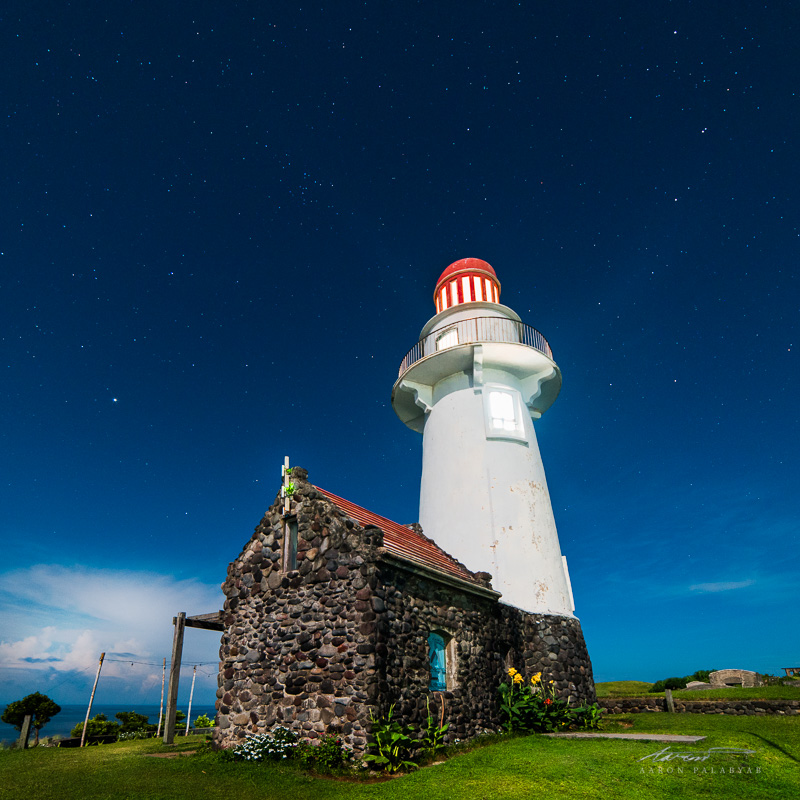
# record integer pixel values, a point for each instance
(637, 705)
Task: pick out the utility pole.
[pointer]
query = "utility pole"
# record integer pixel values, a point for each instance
(161, 707)
(191, 695)
(91, 699)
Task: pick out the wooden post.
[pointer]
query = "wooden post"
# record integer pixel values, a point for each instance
(285, 473)
(191, 695)
(91, 699)
(174, 676)
(25, 732)
(161, 707)
(670, 701)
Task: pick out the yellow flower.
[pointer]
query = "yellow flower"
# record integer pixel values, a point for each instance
(517, 678)
(552, 682)
(537, 678)
(512, 672)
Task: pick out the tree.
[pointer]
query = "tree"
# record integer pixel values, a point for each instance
(131, 721)
(180, 716)
(41, 708)
(99, 725)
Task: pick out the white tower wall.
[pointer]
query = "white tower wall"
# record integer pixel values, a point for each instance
(485, 500)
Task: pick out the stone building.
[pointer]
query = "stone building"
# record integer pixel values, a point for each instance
(334, 614)
(328, 617)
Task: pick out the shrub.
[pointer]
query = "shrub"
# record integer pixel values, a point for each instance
(202, 722)
(99, 725)
(669, 683)
(329, 755)
(274, 746)
(680, 683)
(131, 721)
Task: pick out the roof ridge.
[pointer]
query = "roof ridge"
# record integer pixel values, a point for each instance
(405, 541)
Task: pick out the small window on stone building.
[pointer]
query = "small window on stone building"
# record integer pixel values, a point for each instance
(442, 660)
(437, 656)
(290, 544)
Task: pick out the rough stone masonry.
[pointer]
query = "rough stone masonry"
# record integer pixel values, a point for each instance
(343, 634)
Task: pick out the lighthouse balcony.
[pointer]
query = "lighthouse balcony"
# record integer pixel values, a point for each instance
(496, 349)
(474, 331)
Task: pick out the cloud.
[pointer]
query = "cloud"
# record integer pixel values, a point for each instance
(56, 620)
(723, 586)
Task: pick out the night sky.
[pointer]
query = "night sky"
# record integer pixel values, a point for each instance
(221, 225)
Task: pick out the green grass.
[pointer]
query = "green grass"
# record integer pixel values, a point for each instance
(640, 689)
(622, 688)
(739, 693)
(510, 769)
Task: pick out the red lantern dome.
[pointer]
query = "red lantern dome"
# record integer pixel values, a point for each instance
(468, 280)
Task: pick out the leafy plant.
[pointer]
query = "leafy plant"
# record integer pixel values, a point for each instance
(289, 489)
(586, 717)
(40, 707)
(202, 721)
(394, 742)
(432, 739)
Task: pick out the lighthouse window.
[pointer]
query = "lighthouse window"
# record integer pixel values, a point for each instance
(478, 289)
(501, 410)
(447, 339)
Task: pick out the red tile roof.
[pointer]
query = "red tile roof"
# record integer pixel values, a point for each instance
(405, 542)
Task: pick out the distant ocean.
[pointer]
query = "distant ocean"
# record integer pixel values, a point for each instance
(62, 723)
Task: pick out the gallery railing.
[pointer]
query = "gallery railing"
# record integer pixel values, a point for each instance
(474, 330)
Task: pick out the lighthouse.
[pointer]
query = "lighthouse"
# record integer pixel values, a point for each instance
(473, 385)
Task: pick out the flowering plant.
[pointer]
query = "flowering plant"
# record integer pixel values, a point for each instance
(534, 707)
(278, 745)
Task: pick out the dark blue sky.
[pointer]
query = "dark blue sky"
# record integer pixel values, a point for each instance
(221, 225)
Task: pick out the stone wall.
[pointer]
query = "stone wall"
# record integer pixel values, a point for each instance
(320, 648)
(487, 638)
(297, 648)
(636, 705)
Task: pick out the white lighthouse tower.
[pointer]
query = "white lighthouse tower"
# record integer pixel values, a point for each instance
(472, 386)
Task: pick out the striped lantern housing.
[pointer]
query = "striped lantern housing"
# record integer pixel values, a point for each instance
(468, 280)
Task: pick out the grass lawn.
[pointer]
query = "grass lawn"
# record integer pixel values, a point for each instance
(640, 689)
(622, 688)
(524, 768)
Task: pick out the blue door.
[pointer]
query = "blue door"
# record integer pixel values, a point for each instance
(438, 661)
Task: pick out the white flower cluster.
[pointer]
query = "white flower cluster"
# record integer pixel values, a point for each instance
(262, 746)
